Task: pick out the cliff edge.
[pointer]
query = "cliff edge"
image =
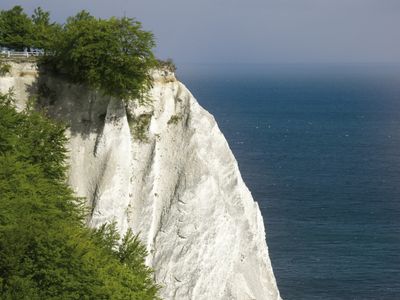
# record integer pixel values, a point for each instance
(165, 170)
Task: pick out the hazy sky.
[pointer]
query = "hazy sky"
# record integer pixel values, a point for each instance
(255, 31)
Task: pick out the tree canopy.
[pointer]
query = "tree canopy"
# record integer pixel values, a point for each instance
(19, 31)
(46, 252)
(15, 28)
(44, 32)
(113, 55)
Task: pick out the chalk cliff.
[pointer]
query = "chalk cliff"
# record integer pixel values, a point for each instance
(165, 170)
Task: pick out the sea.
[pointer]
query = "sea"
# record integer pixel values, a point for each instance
(319, 148)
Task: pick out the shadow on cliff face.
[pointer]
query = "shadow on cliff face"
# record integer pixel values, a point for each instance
(80, 108)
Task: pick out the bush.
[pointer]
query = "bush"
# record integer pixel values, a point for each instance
(4, 68)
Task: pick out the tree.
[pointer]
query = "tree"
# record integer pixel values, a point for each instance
(43, 31)
(19, 31)
(40, 16)
(15, 28)
(112, 55)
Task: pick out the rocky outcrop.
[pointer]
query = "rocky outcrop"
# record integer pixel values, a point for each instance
(165, 170)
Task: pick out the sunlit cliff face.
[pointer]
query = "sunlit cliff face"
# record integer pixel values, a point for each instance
(165, 170)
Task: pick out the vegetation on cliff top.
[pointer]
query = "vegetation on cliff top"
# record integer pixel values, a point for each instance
(46, 252)
(113, 55)
(19, 31)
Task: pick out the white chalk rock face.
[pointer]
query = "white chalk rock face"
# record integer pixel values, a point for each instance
(166, 171)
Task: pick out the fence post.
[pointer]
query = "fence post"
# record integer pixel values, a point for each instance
(8, 54)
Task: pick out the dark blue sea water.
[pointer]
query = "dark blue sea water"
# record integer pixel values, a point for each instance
(319, 147)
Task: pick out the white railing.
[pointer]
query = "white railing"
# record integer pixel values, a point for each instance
(21, 53)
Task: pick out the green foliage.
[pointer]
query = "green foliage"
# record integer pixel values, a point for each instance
(15, 28)
(18, 30)
(4, 68)
(8, 98)
(46, 252)
(112, 55)
(44, 32)
(131, 252)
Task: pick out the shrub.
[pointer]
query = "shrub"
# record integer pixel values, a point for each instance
(4, 68)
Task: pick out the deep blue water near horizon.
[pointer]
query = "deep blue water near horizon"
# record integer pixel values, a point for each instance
(319, 147)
